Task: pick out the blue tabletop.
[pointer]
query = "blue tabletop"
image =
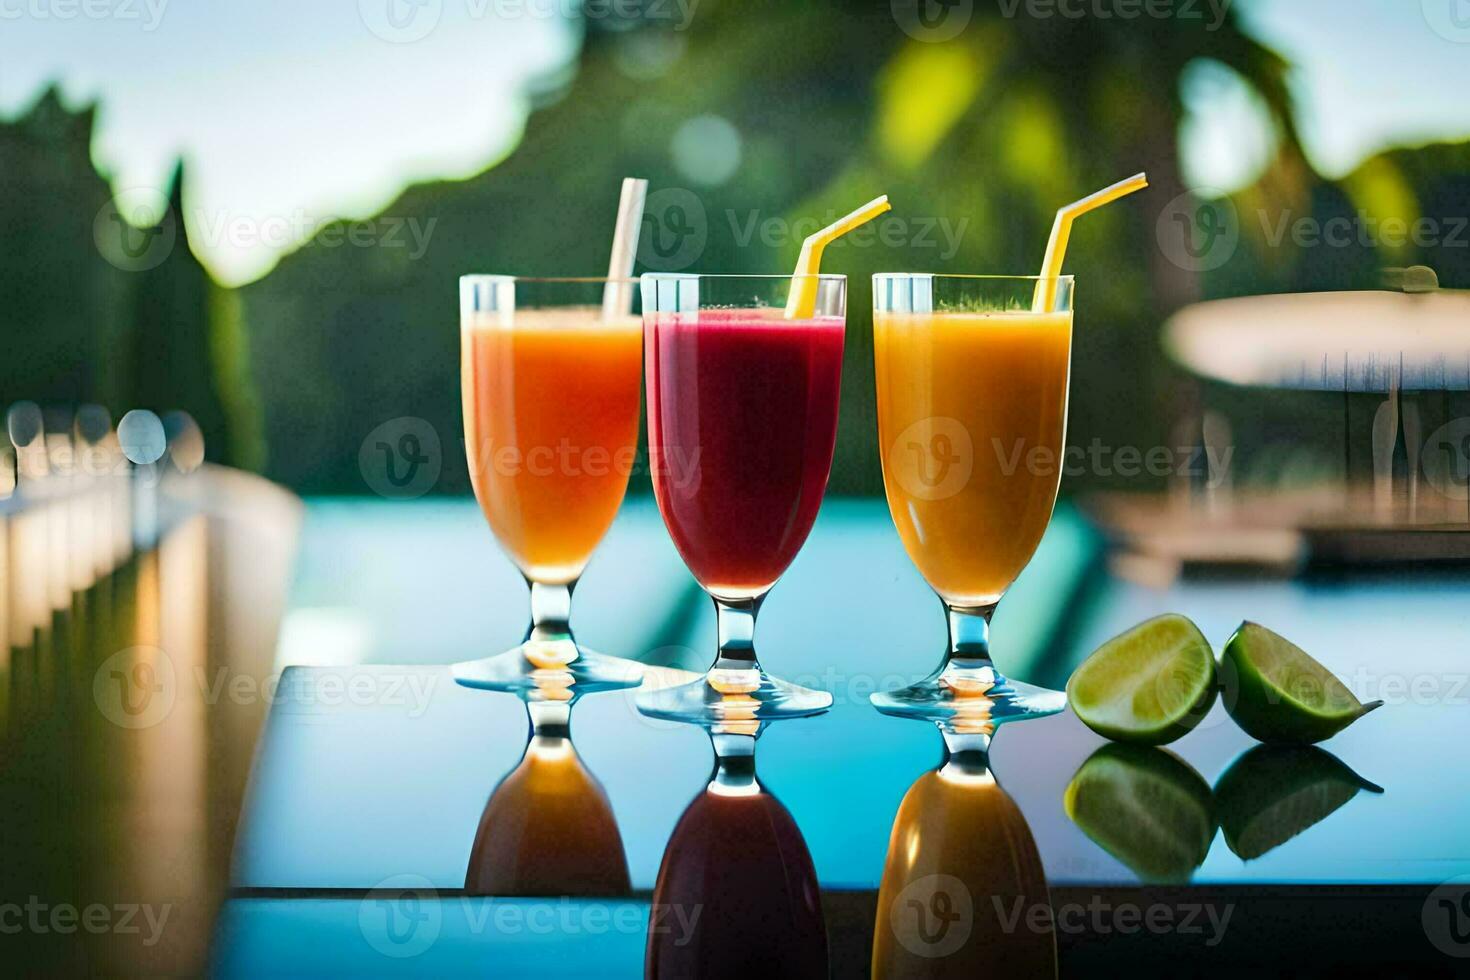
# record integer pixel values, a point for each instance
(349, 793)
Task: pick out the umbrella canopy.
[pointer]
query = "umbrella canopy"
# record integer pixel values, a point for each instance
(1344, 341)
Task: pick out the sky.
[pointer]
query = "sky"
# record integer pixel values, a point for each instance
(1369, 74)
(280, 107)
(287, 112)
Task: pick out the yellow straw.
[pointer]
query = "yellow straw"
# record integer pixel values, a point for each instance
(1061, 233)
(802, 301)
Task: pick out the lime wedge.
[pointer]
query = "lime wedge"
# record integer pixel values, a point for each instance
(1281, 696)
(1145, 807)
(1275, 792)
(1150, 685)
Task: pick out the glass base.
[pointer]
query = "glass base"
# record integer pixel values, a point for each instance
(973, 700)
(549, 670)
(732, 698)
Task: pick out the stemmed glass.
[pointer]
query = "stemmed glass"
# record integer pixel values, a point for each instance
(742, 420)
(548, 828)
(737, 854)
(972, 412)
(550, 388)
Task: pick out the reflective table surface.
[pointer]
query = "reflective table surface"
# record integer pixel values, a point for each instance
(411, 825)
(387, 821)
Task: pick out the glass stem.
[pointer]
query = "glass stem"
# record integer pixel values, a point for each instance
(969, 640)
(551, 611)
(734, 764)
(736, 618)
(549, 720)
(967, 753)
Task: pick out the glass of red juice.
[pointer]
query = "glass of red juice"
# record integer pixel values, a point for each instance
(742, 419)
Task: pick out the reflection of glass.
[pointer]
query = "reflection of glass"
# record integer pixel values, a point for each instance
(548, 829)
(737, 893)
(742, 420)
(964, 892)
(1146, 807)
(550, 393)
(1275, 792)
(972, 410)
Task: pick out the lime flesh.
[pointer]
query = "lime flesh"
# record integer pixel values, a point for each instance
(1281, 696)
(1145, 807)
(1150, 685)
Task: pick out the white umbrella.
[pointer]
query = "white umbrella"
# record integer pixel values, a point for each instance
(1346, 341)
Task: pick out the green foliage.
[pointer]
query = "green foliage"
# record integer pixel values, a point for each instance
(976, 140)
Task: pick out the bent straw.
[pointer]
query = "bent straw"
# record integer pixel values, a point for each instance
(617, 295)
(802, 301)
(1061, 233)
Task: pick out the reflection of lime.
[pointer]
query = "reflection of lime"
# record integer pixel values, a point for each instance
(1145, 807)
(1150, 685)
(1275, 792)
(1280, 695)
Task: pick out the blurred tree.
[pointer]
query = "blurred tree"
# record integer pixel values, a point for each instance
(99, 309)
(976, 138)
(755, 122)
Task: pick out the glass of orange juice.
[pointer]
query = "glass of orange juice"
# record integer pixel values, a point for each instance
(972, 415)
(551, 390)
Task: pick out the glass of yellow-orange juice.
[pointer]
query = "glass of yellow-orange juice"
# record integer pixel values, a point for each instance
(972, 375)
(551, 389)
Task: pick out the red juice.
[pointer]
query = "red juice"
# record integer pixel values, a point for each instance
(737, 896)
(742, 420)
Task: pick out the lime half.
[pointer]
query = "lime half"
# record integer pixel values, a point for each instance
(1149, 686)
(1145, 807)
(1281, 696)
(1275, 792)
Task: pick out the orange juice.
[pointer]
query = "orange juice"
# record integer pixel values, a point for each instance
(551, 428)
(972, 411)
(964, 891)
(548, 829)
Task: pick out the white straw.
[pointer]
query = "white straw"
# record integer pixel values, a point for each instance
(617, 297)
